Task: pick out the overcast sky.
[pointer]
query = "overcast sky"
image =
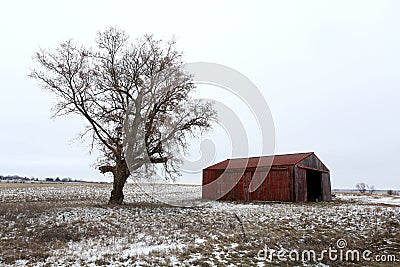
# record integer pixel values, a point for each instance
(329, 70)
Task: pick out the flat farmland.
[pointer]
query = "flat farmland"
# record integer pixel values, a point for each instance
(71, 225)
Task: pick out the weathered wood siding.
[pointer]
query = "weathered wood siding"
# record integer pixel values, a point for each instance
(300, 185)
(313, 163)
(326, 187)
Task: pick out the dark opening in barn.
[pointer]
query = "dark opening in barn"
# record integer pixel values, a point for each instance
(314, 185)
(300, 177)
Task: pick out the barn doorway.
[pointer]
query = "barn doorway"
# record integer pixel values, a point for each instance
(314, 186)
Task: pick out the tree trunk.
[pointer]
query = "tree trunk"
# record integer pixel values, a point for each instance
(117, 194)
(121, 174)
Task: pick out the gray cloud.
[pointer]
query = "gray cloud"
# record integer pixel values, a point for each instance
(329, 71)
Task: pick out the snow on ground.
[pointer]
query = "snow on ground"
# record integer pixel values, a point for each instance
(370, 198)
(72, 226)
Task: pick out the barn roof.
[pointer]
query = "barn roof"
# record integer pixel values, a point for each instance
(278, 160)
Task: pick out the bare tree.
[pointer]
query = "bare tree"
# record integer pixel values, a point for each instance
(392, 192)
(370, 188)
(361, 187)
(135, 97)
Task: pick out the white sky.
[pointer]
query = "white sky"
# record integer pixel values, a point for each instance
(329, 71)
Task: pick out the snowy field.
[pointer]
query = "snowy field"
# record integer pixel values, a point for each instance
(72, 226)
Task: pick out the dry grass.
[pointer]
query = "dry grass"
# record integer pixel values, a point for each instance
(87, 233)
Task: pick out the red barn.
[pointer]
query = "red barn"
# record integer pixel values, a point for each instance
(300, 177)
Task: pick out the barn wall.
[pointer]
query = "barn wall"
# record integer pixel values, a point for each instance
(313, 162)
(326, 187)
(224, 185)
(300, 184)
(292, 183)
(263, 192)
(278, 186)
(208, 177)
(238, 191)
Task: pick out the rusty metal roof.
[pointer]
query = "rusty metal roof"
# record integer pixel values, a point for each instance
(273, 160)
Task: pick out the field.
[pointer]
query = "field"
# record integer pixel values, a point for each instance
(58, 225)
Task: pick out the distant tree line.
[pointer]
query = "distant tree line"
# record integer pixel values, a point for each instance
(15, 177)
(34, 179)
